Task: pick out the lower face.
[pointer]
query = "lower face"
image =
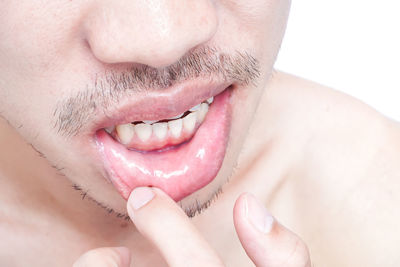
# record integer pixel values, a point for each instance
(188, 146)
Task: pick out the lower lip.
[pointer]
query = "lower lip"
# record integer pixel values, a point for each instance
(179, 171)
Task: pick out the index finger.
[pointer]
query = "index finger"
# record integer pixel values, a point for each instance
(163, 222)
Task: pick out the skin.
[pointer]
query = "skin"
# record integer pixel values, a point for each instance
(323, 163)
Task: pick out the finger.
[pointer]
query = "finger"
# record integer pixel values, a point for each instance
(265, 241)
(105, 257)
(163, 222)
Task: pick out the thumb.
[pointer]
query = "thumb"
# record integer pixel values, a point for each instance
(105, 257)
(266, 241)
(158, 218)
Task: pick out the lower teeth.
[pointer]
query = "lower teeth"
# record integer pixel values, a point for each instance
(173, 127)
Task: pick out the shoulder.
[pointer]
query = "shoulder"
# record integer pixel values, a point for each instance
(348, 159)
(319, 120)
(304, 105)
(334, 129)
(306, 95)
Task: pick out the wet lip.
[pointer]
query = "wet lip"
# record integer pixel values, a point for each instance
(183, 169)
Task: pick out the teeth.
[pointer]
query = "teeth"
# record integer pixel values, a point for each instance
(201, 114)
(125, 132)
(189, 122)
(175, 127)
(160, 130)
(195, 108)
(149, 122)
(143, 131)
(176, 117)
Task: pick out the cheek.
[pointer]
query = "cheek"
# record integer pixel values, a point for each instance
(42, 57)
(35, 41)
(256, 25)
(31, 35)
(257, 15)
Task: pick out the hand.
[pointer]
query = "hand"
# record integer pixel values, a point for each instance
(265, 241)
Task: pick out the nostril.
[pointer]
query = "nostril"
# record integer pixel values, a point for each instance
(156, 37)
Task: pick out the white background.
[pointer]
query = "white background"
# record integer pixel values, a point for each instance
(350, 45)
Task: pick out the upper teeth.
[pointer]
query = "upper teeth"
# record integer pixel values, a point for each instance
(161, 130)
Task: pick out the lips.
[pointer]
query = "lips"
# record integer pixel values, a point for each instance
(178, 163)
(156, 135)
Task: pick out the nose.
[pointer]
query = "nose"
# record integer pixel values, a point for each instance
(151, 32)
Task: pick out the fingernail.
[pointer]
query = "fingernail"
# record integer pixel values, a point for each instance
(258, 215)
(140, 196)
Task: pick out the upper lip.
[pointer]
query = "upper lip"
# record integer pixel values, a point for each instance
(161, 104)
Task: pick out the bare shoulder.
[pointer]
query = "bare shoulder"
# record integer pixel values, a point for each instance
(324, 110)
(303, 93)
(349, 158)
(329, 111)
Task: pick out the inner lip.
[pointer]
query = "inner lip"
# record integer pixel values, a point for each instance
(158, 105)
(165, 119)
(161, 135)
(177, 117)
(179, 170)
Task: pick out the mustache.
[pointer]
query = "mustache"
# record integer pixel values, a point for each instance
(71, 114)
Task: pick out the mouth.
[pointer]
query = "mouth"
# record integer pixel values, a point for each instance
(175, 141)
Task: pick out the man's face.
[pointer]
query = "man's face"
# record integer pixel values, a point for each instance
(71, 69)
